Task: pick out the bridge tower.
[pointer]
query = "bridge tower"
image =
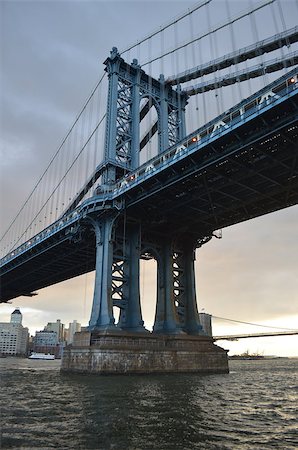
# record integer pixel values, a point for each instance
(128, 86)
(119, 241)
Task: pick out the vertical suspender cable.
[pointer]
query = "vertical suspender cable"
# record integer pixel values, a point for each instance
(213, 58)
(88, 150)
(149, 114)
(196, 97)
(231, 28)
(256, 34)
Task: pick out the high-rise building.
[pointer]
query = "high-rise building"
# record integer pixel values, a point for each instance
(14, 337)
(72, 329)
(16, 316)
(206, 322)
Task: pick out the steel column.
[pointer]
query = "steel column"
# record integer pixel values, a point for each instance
(192, 323)
(131, 315)
(113, 65)
(166, 318)
(163, 132)
(102, 308)
(135, 116)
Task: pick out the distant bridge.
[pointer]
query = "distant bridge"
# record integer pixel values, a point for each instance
(236, 337)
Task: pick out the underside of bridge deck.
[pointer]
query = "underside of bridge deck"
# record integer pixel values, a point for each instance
(245, 174)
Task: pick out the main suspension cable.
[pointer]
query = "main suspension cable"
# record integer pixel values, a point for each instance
(168, 25)
(214, 30)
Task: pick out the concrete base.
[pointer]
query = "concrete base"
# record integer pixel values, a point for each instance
(124, 353)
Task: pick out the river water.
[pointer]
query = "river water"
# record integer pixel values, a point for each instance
(253, 407)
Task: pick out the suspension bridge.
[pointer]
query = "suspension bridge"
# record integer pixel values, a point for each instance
(156, 164)
(236, 337)
(282, 331)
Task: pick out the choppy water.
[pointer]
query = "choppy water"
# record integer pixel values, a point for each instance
(254, 407)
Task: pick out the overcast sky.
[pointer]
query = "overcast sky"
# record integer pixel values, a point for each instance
(51, 57)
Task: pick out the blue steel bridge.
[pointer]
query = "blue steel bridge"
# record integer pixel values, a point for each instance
(237, 166)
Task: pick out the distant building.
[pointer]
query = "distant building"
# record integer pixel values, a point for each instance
(72, 329)
(206, 323)
(46, 342)
(57, 327)
(45, 338)
(14, 337)
(51, 339)
(16, 316)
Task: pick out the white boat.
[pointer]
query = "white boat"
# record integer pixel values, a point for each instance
(41, 356)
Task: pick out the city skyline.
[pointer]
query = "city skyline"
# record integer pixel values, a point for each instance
(49, 69)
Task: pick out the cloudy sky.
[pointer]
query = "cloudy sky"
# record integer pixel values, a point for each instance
(51, 57)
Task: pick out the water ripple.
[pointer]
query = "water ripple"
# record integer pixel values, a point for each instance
(254, 407)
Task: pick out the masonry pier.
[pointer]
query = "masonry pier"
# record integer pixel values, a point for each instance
(137, 353)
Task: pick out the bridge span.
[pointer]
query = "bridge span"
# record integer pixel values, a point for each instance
(240, 165)
(237, 167)
(236, 337)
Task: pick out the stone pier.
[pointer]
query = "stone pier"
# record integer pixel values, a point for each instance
(130, 353)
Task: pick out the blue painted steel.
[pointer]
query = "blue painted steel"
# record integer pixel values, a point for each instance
(166, 318)
(131, 315)
(102, 308)
(192, 323)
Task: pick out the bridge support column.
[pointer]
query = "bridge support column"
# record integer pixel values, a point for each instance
(163, 133)
(192, 323)
(166, 318)
(102, 308)
(131, 315)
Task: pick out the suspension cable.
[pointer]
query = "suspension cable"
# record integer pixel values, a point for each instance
(168, 25)
(54, 156)
(64, 176)
(214, 30)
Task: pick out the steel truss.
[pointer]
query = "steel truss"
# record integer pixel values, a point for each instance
(128, 85)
